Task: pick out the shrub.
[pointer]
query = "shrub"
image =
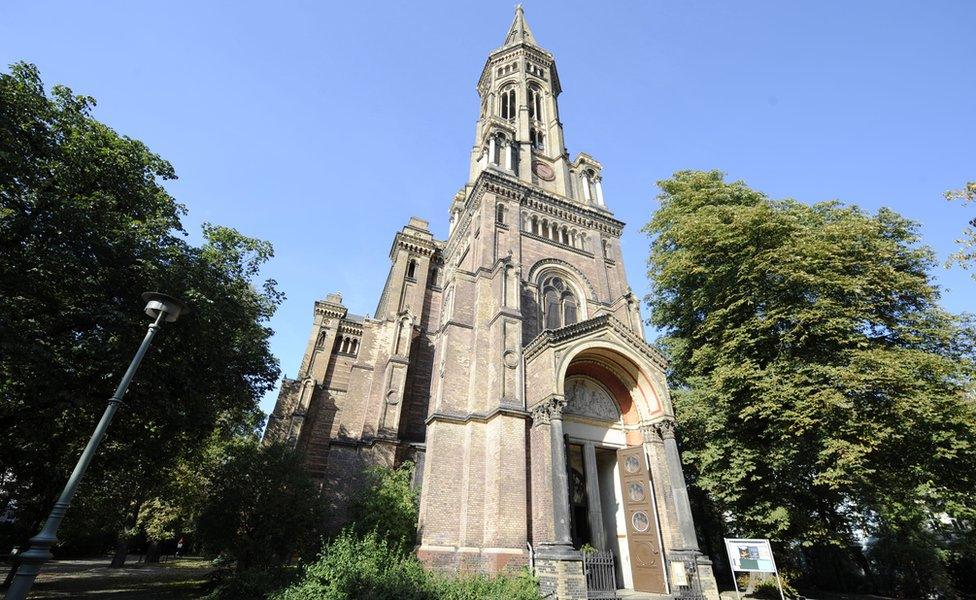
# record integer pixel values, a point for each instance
(388, 505)
(769, 588)
(371, 567)
(519, 587)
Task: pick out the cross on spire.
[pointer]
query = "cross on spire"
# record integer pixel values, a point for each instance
(519, 32)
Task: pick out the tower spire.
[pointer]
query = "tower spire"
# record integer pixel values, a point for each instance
(519, 32)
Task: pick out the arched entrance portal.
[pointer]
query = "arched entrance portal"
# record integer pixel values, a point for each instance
(604, 463)
(611, 500)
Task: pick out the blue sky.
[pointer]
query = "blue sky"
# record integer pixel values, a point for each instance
(323, 127)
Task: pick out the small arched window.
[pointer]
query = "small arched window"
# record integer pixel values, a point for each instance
(434, 274)
(537, 139)
(508, 104)
(535, 102)
(500, 144)
(500, 214)
(559, 304)
(412, 269)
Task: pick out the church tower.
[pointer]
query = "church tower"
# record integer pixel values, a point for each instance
(509, 363)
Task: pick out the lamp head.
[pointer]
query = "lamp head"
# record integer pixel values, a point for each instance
(157, 303)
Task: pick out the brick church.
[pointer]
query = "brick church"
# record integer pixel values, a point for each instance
(509, 363)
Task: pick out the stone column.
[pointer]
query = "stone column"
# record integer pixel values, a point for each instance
(682, 506)
(593, 497)
(599, 193)
(551, 411)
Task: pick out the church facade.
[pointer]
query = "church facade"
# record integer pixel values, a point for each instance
(509, 363)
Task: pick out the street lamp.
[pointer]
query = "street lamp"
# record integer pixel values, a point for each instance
(161, 308)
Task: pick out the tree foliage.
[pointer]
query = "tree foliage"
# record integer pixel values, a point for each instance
(86, 225)
(965, 255)
(261, 508)
(822, 391)
(388, 506)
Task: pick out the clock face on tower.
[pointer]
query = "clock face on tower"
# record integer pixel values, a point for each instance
(544, 171)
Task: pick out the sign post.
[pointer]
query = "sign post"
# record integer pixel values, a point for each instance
(751, 556)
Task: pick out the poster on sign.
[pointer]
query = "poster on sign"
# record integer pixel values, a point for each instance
(754, 556)
(750, 555)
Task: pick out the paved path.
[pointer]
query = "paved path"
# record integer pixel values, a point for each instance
(92, 579)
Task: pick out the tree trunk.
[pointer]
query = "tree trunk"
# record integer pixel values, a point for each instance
(152, 552)
(121, 551)
(122, 545)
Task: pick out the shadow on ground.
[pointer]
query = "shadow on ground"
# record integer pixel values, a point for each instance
(92, 579)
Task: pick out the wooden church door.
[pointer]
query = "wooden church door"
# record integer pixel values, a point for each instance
(646, 562)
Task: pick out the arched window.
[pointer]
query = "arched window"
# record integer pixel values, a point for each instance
(537, 140)
(535, 102)
(569, 308)
(535, 224)
(591, 184)
(412, 269)
(508, 104)
(434, 274)
(500, 214)
(559, 304)
(606, 249)
(551, 303)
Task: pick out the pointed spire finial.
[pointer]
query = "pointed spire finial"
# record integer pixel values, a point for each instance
(519, 32)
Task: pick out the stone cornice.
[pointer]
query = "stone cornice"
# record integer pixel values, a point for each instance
(350, 327)
(412, 244)
(553, 337)
(500, 55)
(530, 197)
(533, 236)
(329, 309)
(461, 418)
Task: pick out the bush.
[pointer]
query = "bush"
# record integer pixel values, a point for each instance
(388, 505)
(371, 567)
(768, 588)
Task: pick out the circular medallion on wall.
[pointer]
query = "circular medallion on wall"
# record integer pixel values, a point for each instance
(636, 491)
(640, 521)
(544, 171)
(511, 359)
(632, 465)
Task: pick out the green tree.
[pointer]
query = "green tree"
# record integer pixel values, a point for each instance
(86, 225)
(822, 391)
(261, 507)
(965, 256)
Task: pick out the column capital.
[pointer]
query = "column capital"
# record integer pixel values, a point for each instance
(547, 410)
(659, 430)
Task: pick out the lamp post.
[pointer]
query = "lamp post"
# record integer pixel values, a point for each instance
(161, 308)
